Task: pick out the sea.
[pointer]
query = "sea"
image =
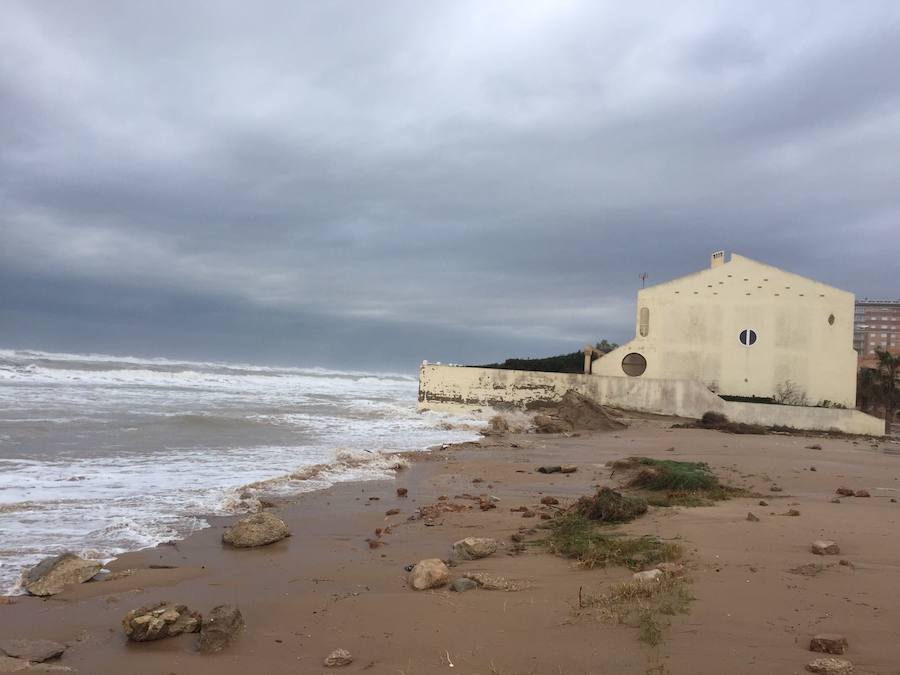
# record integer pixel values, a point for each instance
(104, 454)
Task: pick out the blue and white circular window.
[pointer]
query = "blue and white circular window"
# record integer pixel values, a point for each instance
(747, 337)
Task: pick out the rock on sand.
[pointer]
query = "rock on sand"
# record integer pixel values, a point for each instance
(830, 666)
(828, 643)
(220, 628)
(52, 575)
(473, 548)
(259, 529)
(825, 547)
(32, 650)
(159, 621)
(428, 573)
(339, 657)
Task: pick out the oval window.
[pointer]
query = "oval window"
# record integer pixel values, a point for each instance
(747, 337)
(634, 364)
(831, 319)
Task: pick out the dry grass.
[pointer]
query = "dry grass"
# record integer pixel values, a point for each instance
(642, 605)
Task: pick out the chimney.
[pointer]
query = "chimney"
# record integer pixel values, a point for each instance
(717, 258)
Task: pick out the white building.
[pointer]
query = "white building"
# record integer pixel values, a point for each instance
(744, 329)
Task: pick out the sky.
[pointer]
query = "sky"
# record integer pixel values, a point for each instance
(369, 185)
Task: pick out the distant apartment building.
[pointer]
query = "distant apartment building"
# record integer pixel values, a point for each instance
(876, 325)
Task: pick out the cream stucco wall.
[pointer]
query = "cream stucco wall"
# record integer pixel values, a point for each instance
(695, 322)
(458, 388)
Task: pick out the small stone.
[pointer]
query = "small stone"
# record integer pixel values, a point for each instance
(402, 492)
(462, 585)
(473, 548)
(489, 582)
(775, 488)
(428, 573)
(812, 468)
(762, 502)
(516, 537)
(835, 500)
(337, 658)
(568, 468)
(549, 501)
(845, 562)
(220, 628)
(862, 493)
(828, 643)
(392, 512)
(814, 447)
(825, 547)
(32, 650)
(752, 518)
(528, 513)
(830, 666)
(549, 469)
(893, 500)
(845, 492)
(546, 516)
(647, 576)
(792, 512)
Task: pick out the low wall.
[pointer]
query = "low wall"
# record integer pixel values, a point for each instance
(460, 387)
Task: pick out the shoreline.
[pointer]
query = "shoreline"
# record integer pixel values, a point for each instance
(324, 588)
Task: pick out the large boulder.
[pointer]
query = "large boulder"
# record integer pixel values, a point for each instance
(259, 529)
(220, 628)
(428, 573)
(32, 650)
(53, 575)
(473, 548)
(159, 621)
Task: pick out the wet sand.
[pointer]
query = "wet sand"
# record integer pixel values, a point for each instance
(324, 588)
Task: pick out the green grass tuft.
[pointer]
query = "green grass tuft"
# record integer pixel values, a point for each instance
(609, 506)
(668, 482)
(572, 535)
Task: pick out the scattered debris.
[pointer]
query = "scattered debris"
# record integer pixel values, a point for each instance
(610, 506)
(402, 492)
(776, 488)
(862, 493)
(549, 501)
(392, 512)
(845, 492)
(752, 518)
(809, 569)
(490, 582)
(791, 512)
(816, 446)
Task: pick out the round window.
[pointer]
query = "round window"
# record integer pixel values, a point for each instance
(747, 337)
(634, 364)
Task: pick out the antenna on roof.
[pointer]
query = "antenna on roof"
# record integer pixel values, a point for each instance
(643, 278)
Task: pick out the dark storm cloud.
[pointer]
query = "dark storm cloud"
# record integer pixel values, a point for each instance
(435, 180)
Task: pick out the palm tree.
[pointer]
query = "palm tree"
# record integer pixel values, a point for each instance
(886, 385)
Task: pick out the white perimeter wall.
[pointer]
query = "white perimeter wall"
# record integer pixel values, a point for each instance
(460, 387)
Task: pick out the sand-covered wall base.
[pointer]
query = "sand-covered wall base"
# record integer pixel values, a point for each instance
(460, 387)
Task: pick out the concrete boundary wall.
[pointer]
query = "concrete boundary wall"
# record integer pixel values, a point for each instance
(460, 387)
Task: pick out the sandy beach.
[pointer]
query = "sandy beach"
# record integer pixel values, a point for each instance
(324, 588)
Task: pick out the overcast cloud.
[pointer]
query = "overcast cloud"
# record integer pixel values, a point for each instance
(371, 184)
